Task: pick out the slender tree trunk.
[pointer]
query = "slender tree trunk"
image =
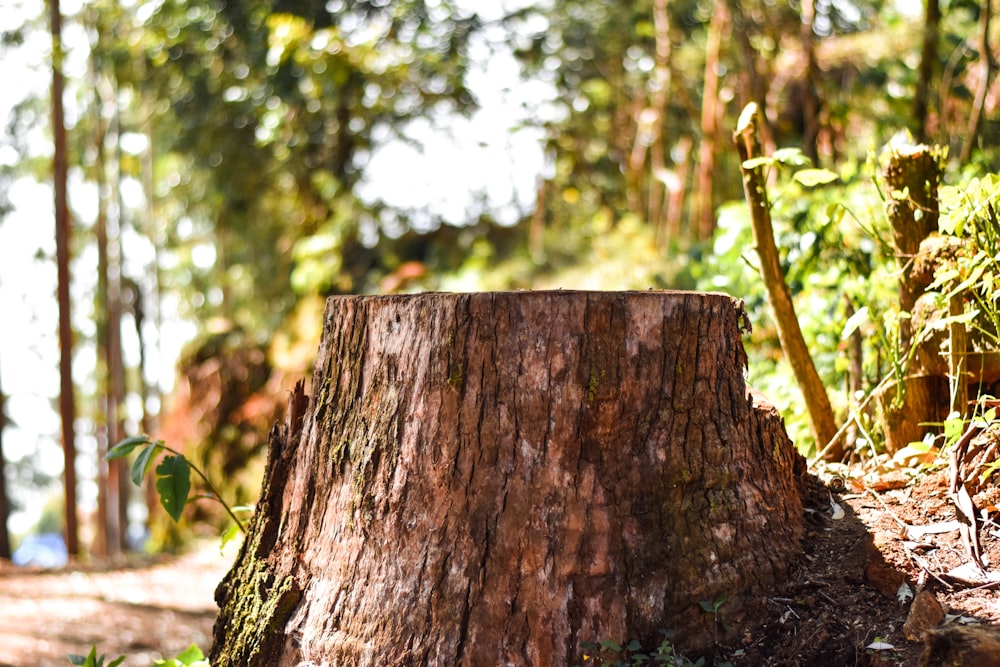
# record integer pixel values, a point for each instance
(928, 58)
(658, 103)
(492, 479)
(67, 404)
(105, 438)
(810, 89)
(709, 147)
(778, 296)
(4, 503)
(676, 189)
(536, 228)
(986, 76)
(101, 546)
(149, 340)
(755, 82)
(648, 122)
(118, 477)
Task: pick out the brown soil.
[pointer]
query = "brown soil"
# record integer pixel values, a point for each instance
(841, 598)
(148, 609)
(845, 593)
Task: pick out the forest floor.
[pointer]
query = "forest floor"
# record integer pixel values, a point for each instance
(842, 597)
(145, 608)
(849, 599)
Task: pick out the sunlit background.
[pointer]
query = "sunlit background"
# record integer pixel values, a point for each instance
(453, 167)
(257, 157)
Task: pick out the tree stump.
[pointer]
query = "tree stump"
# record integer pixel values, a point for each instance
(491, 479)
(912, 174)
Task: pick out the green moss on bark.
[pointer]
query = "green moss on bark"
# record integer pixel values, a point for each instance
(260, 607)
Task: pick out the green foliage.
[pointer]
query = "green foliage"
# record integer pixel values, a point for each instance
(609, 653)
(192, 656)
(832, 236)
(972, 270)
(712, 606)
(92, 659)
(189, 657)
(173, 476)
(173, 483)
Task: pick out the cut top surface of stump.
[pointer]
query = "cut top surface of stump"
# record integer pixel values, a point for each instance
(498, 478)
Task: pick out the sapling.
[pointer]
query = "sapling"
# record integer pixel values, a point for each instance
(173, 477)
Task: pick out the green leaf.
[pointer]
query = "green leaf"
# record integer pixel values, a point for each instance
(125, 447)
(75, 659)
(712, 607)
(612, 645)
(746, 116)
(791, 156)
(117, 661)
(953, 428)
(912, 450)
(173, 483)
(755, 162)
(859, 317)
(633, 646)
(142, 462)
(190, 655)
(813, 177)
(231, 533)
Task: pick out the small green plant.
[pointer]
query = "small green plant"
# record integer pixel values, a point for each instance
(173, 478)
(94, 660)
(609, 653)
(712, 607)
(189, 657)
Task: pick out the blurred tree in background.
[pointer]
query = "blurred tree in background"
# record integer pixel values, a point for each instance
(231, 148)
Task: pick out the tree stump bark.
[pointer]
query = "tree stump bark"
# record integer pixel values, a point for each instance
(490, 479)
(912, 174)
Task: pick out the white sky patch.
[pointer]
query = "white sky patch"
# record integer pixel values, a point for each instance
(454, 161)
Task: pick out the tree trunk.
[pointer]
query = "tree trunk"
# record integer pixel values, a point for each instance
(810, 86)
(5, 551)
(928, 57)
(912, 174)
(103, 529)
(704, 219)
(985, 77)
(779, 297)
(60, 169)
(754, 83)
(488, 479)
